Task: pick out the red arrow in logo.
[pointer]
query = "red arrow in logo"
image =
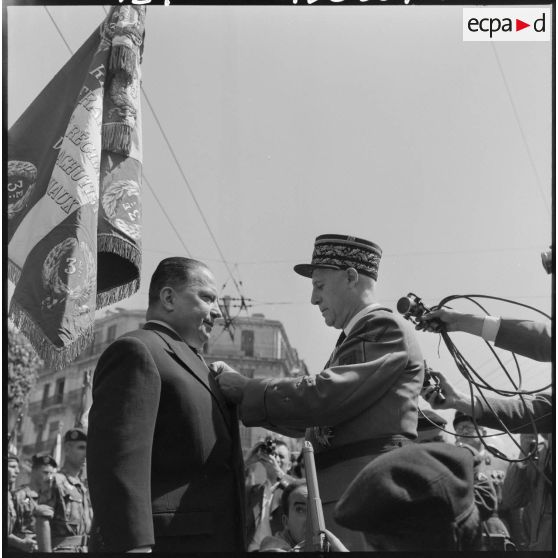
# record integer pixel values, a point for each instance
(519, 25)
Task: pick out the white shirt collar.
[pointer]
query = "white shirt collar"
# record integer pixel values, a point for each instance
(347, 329)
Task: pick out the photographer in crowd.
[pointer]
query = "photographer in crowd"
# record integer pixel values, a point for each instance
(264, 513)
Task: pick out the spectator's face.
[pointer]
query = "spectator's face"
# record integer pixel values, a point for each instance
(41, 475)
(430, 435)
(295, 521)
(13, 471)
(75, 453)
(283, 456)
(195, 308)
(463, 432)
(329, 293)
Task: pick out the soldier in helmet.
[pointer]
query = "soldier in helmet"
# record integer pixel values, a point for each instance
(64, 512)
(26, 498)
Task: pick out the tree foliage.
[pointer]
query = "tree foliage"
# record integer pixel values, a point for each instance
(23, 364)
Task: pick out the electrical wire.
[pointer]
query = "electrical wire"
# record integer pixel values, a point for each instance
(144, 179)
(521, 132)
(481, 384)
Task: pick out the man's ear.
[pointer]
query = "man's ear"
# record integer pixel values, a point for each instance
(166, 298)
(352, 275)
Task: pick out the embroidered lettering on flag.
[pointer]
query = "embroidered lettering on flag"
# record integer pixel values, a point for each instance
(74, 179)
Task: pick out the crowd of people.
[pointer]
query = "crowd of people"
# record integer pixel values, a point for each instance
(165, 470)
(52, 513)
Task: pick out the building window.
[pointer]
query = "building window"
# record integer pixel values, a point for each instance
(111, 333)
(59, 393)
(46, 393)
(247, 342)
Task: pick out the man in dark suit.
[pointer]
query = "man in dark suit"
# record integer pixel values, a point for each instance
(364, 402)
(164, 460)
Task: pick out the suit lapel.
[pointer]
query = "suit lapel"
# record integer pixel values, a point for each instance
(195, 365)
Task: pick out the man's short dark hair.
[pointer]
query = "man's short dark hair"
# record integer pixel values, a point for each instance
(287, 493)
(172, 272)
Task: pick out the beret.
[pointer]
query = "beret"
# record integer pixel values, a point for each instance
(433, 479)
(75, 435)
(43, 459)
(461, 417)
(428, 419)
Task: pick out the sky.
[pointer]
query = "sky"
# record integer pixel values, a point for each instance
(293, 121)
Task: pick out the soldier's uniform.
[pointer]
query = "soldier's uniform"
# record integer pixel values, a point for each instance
(11, 515)
(495, 534)
(67, 505)
(25, 502)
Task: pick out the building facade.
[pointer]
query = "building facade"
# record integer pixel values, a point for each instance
(255, 346)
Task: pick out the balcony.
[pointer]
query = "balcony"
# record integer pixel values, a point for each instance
(52, 401)
(68, 399)
(47, 445)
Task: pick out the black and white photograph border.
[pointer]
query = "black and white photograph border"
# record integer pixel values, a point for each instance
(265, 125)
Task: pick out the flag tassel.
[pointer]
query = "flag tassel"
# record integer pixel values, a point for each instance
(54, 357)
(117, 137)
(123, 58)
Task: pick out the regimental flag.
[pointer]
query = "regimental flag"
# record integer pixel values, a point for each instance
(73, 200)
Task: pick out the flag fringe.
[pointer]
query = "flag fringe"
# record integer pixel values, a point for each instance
(54, 357)
(121, 247)
(14, 272)
(123, 58)
(117, 137)
(117, 293)
(124, 249)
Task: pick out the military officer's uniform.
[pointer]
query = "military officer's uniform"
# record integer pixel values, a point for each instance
(365, 401)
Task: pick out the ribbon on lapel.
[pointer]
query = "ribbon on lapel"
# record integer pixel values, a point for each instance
(197, 367)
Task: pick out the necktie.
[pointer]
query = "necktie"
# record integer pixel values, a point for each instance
(342, 338)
